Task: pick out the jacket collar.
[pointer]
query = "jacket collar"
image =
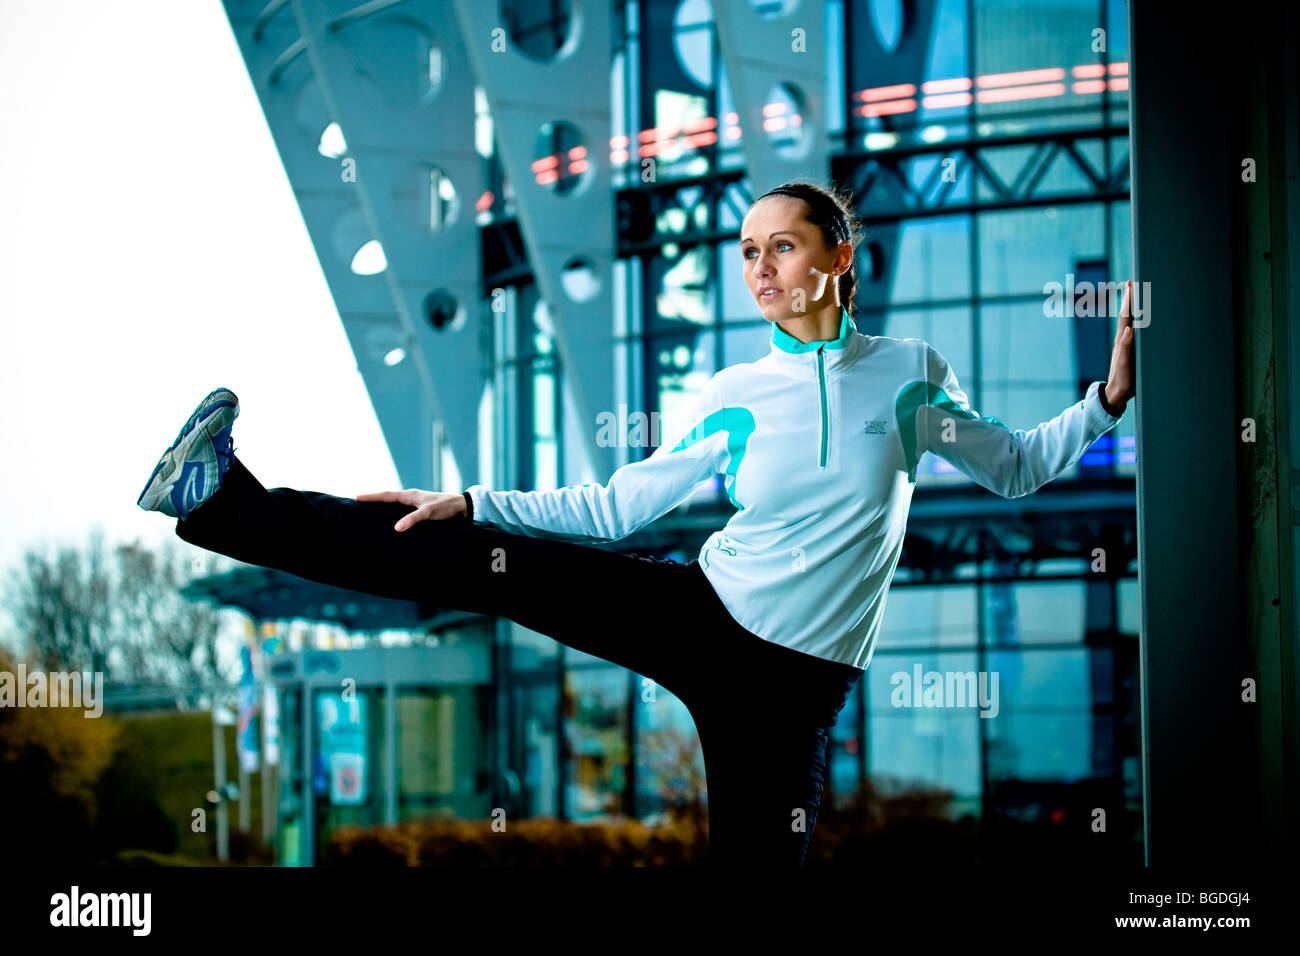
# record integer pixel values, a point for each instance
(787, 350)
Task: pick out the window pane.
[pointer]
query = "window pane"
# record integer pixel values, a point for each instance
(1023, 250)
(682, 294)
(746, 343)
(1009, 38)
(545, 463)
(932, 261)
(921, 616)
(1040, 747)
(1043, 681)
(679, 366)
(1021, 346)
(442, 752)
(921, 746)
(738, 304)
(537, 706)
(596, 734)
(948, 330)
(1035, 611)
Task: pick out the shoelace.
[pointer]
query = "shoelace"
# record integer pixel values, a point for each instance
(227, 451)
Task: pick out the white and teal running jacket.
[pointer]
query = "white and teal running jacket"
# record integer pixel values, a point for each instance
(818, 444)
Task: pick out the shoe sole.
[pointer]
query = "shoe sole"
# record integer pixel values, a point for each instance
(171, 465)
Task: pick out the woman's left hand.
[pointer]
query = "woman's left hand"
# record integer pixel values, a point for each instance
(1120, 384)
(437, 505)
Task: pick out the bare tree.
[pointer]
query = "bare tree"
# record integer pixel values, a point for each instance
(671, 767)
(175, 639)
(60, 605)
(119, 613)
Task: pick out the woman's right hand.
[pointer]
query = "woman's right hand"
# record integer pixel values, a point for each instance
(427, 504)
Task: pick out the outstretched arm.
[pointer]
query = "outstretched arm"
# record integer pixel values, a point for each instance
(935, 415)
(635, 494)
(1009, 463)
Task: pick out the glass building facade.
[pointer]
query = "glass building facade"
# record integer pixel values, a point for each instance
(979, 185)
(1036, 119)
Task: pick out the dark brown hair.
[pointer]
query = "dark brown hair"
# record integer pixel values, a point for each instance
(832, 213)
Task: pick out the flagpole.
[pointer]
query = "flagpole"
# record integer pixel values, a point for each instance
(219, 769)
(245, 811)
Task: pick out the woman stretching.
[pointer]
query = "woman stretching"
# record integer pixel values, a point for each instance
(764, 636)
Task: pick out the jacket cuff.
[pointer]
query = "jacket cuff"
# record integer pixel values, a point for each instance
(1107, 416)
(1110, 410)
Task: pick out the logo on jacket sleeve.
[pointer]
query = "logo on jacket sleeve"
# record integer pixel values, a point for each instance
(875, 426)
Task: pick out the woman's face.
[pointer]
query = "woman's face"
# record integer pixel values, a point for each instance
(782, 250)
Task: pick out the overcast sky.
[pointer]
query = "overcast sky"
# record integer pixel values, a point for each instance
(151, 250)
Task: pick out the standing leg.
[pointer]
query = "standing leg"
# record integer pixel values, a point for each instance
(765, 733)
(765, 784)
(619, 607)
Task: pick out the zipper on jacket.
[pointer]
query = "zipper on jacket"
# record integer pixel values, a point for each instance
(821, 381)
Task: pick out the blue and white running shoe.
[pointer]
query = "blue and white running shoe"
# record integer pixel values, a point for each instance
(192, 469)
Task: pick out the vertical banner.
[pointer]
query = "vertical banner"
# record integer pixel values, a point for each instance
(271, 644)
(246, 732)
(271, 724)
(344, 740)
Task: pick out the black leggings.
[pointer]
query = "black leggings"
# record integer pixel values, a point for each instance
(763, 711)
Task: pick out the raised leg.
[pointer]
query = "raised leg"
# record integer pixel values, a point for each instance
(619, 607)
(763, 711)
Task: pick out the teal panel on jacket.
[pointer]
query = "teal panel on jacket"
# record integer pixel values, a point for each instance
(910, 399)
(738, 423)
